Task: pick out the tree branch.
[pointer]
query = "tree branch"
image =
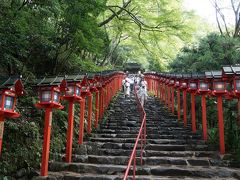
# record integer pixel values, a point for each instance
(125, 5)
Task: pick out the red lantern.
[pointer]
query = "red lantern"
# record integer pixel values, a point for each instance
(10, 88)
(218, 85)
(49, 92)
(232, 74)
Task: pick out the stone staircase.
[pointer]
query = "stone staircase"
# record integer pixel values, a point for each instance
(171, 152)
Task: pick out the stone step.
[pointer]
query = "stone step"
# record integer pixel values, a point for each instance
(148, 153)
(176, 136)
(110, 152)
(171, 147)
(66, 175)
(155, 147)
(183, 154)
(149, 129)
(123, 160)
(152, 127)
(115, 138)
(173, 171)
(133, 134)
(155, 132)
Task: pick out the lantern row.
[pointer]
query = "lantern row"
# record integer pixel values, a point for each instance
(219, 84)
(73, 89)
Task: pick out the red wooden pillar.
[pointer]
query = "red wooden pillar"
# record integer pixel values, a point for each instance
(96, 109)
(104, 99)
(109, 93)
(161, 95)
(165, 94)
(193, 112)
(169, 98)
(101, 103)
(156, 89)
(185, 108)
(1, 132)
(151, 81)
(70, 132)
(81, 124)
(179, 104)
(107, 96)
(173, 100)
(46, 141)
(115, 85)
(89, 126)
(221, 125)
(204, 117)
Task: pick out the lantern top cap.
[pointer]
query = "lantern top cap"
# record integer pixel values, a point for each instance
(179, 76)
(91, 76)
(74, 78)
(50, 81)
(231, 70)
(213, 74)
(187, 76)
(9, 82)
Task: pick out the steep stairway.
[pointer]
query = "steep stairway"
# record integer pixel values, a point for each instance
(171, 152)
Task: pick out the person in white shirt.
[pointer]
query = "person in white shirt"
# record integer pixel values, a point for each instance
(142, 92)
(123, 84)
(127, 87)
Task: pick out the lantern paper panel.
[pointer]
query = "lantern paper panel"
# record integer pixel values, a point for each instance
(193, 85)
(184, 84)
(78, 93)
(45, 96)
(56, 97)
(238, 85)
(219, 86)
(8, 104)
(70, 91)
(203, 86)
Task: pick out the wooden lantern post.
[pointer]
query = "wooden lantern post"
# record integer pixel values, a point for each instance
(85, 91)
(49, 99)
(231, 75)
(93, 89)
(203, 90)
(192, 89)
(183, 88)
(10, 88)
(71, 86)
(219, 90)
(177, 86)
(171, 86)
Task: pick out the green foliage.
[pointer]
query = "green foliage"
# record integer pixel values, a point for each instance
(148, 31)
(21, 146)
(211, 53)
(45, 37)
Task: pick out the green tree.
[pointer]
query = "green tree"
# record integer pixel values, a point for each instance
(210, 53)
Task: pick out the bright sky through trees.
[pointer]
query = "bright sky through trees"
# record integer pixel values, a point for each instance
(205, 9)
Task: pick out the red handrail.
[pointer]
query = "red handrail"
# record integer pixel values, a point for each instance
(141, 137)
